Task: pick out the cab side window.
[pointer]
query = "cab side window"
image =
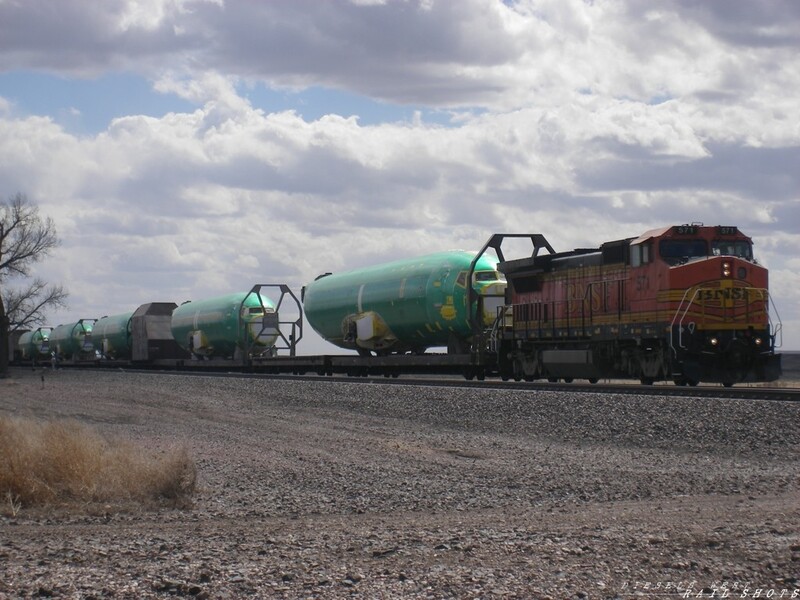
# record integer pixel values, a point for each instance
(641, 254)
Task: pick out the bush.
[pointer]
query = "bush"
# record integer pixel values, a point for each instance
(64, 461)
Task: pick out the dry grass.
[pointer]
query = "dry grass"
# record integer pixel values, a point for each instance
(43, 463)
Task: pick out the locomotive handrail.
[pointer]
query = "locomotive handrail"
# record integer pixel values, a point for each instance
(777, 330)
(680, 323)
(504, 313)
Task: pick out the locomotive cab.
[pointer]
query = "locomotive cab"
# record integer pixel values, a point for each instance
(705, 283)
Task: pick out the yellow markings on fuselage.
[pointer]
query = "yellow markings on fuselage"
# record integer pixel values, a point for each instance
(448, 310)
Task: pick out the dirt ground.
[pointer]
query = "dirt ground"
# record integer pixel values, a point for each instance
(330, 490)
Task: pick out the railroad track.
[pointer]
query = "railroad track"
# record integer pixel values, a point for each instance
(700, 391)
(742, 392)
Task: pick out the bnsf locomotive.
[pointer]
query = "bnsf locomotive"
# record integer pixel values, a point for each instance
(687, 303)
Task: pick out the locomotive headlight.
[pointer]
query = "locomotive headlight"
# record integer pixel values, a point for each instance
(726, 269)
(757, 341)
(713, 341)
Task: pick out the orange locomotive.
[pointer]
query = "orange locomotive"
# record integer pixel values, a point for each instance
(687, 303)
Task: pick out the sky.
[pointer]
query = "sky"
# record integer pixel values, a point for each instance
(191, 148)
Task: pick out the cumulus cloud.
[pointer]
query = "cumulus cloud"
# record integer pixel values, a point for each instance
(623, 114)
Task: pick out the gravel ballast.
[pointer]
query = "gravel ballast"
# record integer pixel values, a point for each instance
(327, 490)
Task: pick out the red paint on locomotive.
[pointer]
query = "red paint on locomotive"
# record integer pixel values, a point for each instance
(687, 303)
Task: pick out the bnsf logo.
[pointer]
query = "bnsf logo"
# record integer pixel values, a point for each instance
(724, 294)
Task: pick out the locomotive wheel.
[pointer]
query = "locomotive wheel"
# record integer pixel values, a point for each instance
(646, 380)
(593, 380)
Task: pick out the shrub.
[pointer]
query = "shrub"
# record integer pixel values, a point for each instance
(64, 461)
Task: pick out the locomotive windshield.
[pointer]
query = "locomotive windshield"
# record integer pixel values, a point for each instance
(740, 248)
(676, 251)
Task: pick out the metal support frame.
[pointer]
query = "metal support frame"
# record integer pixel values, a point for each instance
(272, 323)
(495, 242)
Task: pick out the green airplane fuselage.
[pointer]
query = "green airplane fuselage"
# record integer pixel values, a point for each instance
(73, 340)
(35, 344)
(219, 326)
(112, 335)
(406, 305)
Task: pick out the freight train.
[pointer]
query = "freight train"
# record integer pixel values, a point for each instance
(685, 303)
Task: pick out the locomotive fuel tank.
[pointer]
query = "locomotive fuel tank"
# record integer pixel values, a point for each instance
(405, 306)
(112, 336)
(225, 326)
(35, 344)
(73, 340)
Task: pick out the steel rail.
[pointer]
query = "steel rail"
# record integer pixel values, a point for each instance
(743, 392)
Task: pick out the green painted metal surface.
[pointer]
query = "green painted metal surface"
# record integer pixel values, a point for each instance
(223, 326)
(73, 340)
(402, 306)
(112, 336)
(34, 345)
